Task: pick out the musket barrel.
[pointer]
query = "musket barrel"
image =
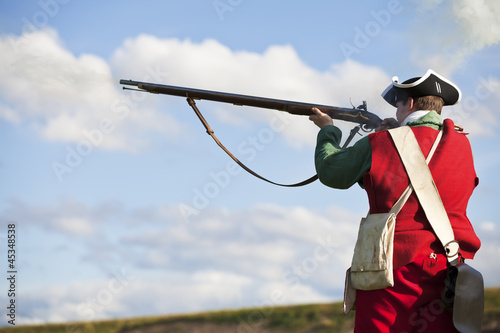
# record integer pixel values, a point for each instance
(367, 119)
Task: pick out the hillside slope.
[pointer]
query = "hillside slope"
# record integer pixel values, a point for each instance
(301, 318)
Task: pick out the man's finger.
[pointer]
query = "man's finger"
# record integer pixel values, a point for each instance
(317, 111)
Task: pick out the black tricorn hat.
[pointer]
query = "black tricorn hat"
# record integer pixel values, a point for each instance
(431, 84)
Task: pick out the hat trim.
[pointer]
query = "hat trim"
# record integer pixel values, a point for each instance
(395, 84)
(422, 79)
(386, 91)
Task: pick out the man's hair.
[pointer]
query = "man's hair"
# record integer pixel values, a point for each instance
(427, 103)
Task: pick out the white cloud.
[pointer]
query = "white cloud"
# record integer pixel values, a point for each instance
(77, 99)
(489, 234)
(9, 114)
(126, 293)
(74, 225)
(64, 96)
(426, 5)
(221, 259)
(67, 217)
(448, 32)
(487, 226)
(479, 20)
(276, 73)
(477, 111)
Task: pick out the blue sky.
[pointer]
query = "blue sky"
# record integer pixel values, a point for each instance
(125, 207)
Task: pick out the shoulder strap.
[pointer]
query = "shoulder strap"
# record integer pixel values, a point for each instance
(425, 188)
(407, 192)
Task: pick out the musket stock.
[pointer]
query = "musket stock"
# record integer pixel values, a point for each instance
(360, 115)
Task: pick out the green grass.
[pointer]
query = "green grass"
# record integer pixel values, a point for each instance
(316, 318)
(492, 300)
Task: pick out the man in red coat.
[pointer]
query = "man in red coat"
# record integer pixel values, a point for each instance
(413, 303)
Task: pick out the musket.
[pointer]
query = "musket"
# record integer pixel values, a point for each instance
(360, 114)
(367, 121)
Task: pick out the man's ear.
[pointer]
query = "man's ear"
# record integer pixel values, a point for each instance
(411, 102)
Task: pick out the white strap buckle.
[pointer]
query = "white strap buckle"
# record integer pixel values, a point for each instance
(452, 249)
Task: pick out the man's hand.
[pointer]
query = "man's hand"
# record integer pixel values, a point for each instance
(321, 119)
(386, 124)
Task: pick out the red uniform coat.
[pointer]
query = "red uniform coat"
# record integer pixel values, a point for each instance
(453, 171)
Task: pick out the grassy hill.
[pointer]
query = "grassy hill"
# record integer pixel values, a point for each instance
(301, 318)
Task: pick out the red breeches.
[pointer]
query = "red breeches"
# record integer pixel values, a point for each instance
(412, 305)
